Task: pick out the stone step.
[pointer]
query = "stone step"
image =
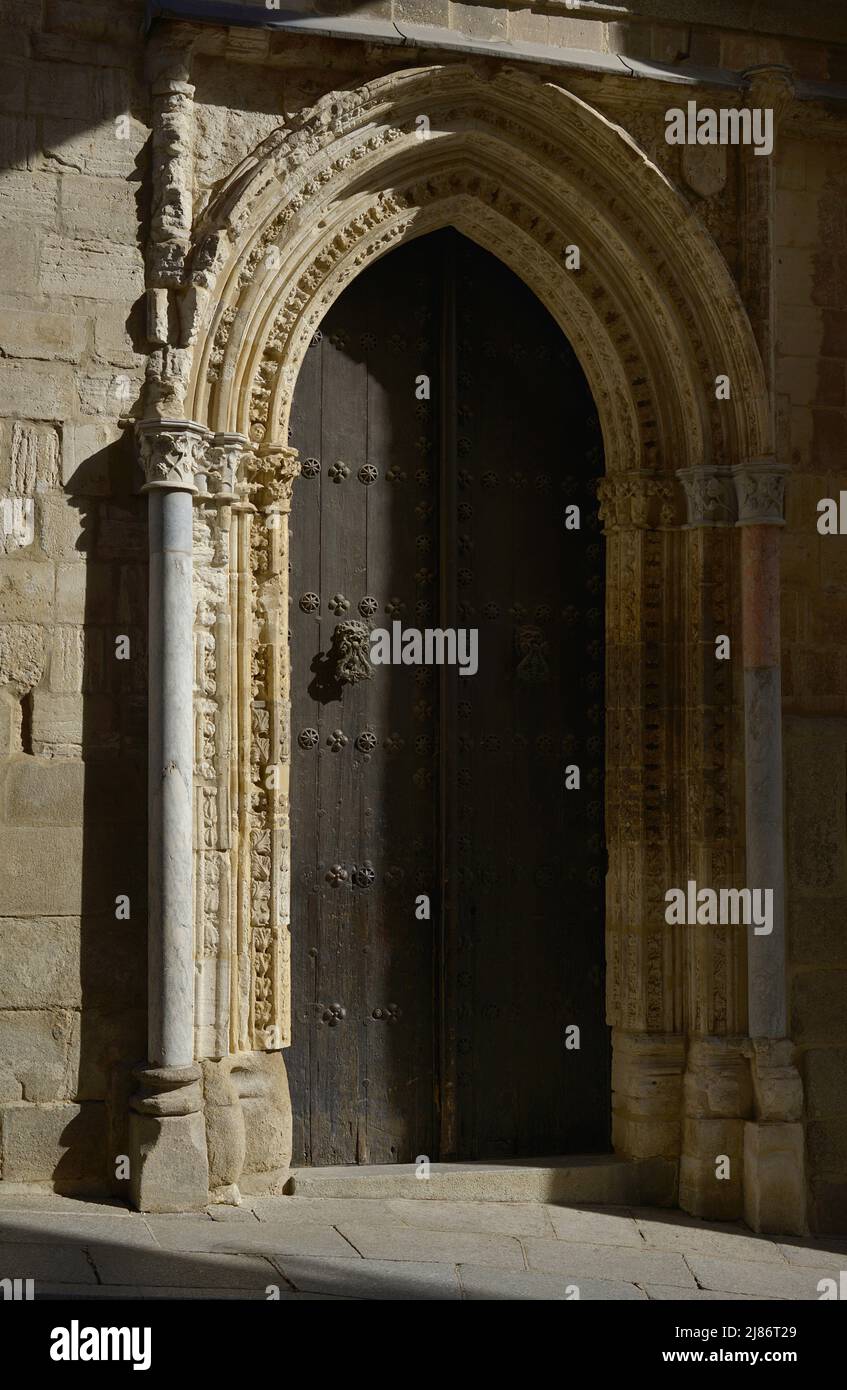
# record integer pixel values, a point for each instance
(592, 1178)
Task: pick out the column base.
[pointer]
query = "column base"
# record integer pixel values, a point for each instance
(169, 1165)
(646, 1093)
(774, 1178)
(718, 1099)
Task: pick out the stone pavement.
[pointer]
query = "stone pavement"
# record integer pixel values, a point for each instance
(359, 1248)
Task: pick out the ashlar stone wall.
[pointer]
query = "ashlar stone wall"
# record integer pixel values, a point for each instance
(73, 579)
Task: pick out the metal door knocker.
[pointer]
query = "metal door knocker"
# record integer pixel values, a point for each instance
(350, 652)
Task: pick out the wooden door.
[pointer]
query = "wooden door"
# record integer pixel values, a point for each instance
(444, 427)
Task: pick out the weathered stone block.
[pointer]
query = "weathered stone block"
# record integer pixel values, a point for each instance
(64, 89)
(64, 528)
(21, 655)
(826, 1141)
(117, 337)
(40, 335)
(12, 86)
(477, 21)
(108, 1039)
(43, 793)
(40, 1048)
(105, 393)
(100, 207)
(62, 1142)
(774, 1178)
(35, 453)
(91, 269)
(25, 889)
(819, 1007)
(67, 660)
(816, 788)
(57, 719)
(26, 590)
(93, 148)
(84, 593)
(39, 963)
(828, 1214)
(27, 199)
(824, 1070)
(40, 390)
(17, 141)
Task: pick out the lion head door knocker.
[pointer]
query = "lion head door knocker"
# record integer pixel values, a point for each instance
(533, 668)
(350, 652)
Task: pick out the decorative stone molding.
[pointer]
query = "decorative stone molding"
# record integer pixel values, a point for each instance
(172, 453)
(709, 496)
(760, 490)
(638, 501)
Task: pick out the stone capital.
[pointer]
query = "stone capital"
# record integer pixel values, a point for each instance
(172, 453)
(760, 492)
(709, 496)
(635, 501)
(228, 457)
(276, 468)
(771, 85)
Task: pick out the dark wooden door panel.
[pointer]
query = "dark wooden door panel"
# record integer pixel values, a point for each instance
(446, 1036)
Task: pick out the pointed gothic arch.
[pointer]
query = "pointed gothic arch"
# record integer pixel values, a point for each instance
(526, 169)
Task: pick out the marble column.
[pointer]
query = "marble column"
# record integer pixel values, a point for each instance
(774, 1186)
(168, 1161)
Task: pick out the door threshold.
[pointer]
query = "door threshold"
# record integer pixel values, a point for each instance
(601, 1179)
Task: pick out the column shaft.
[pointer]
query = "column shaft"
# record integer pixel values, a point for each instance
(171, 751)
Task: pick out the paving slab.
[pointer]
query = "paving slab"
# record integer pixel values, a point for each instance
(58, 1263)
(594, 1227)
(437, 1247)
(260, 1238)
(620, 1263)
(738, 1244)
(494, 1218)
(816, 1253)
(391, 1279)
(22, 1199)
(35, 1227)
(324, 1210)
(756, 1278)
(479, 1283)
(200, 1270)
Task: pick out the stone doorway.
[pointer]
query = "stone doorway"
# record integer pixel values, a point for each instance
(445, 431)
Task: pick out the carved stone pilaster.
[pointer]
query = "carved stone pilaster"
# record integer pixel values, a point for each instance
(215, 850)
(272, 480)
(760, 490)
(172, 453)
(644, 991)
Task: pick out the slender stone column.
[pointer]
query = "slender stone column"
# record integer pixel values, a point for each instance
(169, 1168)
(774, 1187)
